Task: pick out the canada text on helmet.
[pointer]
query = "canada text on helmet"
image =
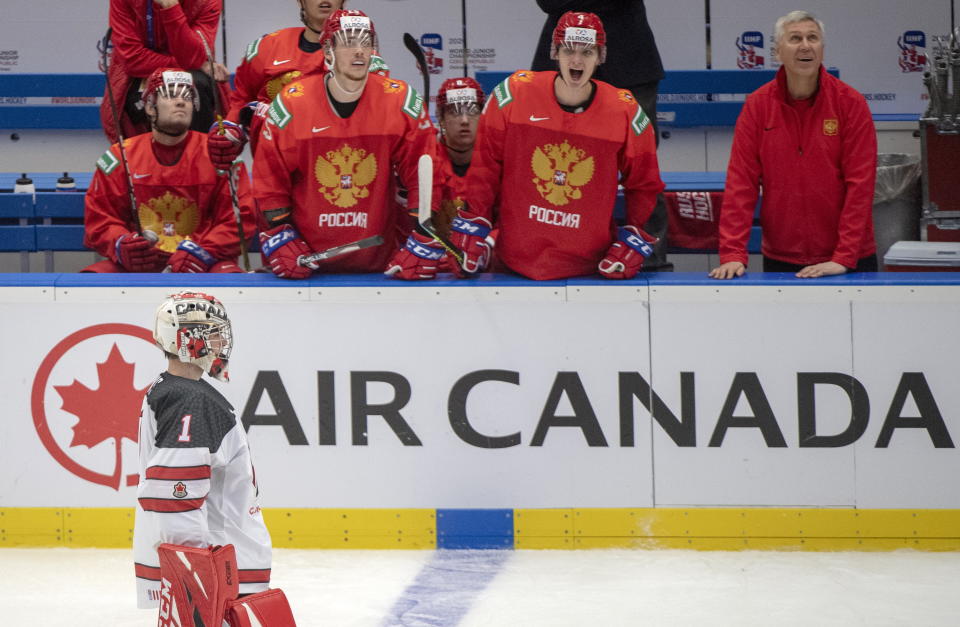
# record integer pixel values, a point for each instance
(578, 29)
(194, 327)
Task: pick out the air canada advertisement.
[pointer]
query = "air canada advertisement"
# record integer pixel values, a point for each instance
(681, 398)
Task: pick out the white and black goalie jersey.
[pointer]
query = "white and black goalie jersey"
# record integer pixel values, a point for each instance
(197, 484)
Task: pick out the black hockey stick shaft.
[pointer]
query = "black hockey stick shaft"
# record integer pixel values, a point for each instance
(223, 32)
(367, 242)
(415, 49)
(134, 212)
(231, 182)
(463, 21)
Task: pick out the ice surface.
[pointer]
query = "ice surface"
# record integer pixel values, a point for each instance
(94, 587)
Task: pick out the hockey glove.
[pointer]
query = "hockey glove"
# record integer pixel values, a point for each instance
(471, 234)
(190, 257)
(281, 249)
(137, 254)
(625, 256)
(225, 144)
(418, 259)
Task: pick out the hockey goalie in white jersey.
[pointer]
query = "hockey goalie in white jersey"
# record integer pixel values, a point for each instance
(199, 539)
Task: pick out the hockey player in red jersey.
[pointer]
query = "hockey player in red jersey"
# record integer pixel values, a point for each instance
(199, 538)
(269, 64)
(185, 217)
(459, 103)
(551, 149)
(323, 166)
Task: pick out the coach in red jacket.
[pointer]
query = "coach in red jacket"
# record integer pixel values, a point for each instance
(808, 139)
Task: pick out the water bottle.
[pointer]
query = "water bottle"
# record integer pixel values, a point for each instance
(66, 183)
(24, 185)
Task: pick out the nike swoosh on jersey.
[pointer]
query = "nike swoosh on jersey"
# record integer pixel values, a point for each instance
(141, 176)
(276, 62)
(319, 130)
(536, 119)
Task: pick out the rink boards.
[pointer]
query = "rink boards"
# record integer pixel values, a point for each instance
(668, 411)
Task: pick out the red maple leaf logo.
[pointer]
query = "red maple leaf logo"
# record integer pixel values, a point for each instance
(111, 411)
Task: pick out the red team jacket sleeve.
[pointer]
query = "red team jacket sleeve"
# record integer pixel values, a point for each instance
(419, 139)
(129, 43)
(742, 188)
(859, 163)
(484, 175)
(273, 177)
(246, 88)
(182, 38)
(106, 213)
(640, 171)
(220, 238)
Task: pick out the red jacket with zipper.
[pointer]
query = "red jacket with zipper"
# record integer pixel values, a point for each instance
(817, 173)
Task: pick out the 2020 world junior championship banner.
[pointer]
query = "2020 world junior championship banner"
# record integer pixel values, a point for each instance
(539, 397)
(884, 62)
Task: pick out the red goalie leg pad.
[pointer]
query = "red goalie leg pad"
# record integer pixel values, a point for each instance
(263, 609)
(196, 584)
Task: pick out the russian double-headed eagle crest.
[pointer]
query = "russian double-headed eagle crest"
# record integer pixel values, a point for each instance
(345, 174)
(274, 85)
(171, 217)
(561, 170)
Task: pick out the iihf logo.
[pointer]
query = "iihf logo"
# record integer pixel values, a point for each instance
(432, 44)
(748, 44)
(912, 56)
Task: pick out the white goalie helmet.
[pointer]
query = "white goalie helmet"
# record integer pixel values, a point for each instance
(194, 327)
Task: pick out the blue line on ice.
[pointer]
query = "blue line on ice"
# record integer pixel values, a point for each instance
(445, 588)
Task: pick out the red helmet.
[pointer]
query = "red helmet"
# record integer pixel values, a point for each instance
(574, 28)
(460, 91)
(348, 22)
(170, 82)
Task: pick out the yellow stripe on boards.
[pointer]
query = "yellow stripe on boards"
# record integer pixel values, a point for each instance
(738, 529)
(727, 529)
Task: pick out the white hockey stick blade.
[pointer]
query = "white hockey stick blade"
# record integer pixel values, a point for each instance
(425, 208)
(366, 242)
(425, 187)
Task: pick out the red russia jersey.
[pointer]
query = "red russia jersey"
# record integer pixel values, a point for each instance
(197, 484)
(274, 61)
(270, 63)
(174, 201)
(336, 173)
(554, 174)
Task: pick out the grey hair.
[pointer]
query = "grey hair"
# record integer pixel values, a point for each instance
(792, 18)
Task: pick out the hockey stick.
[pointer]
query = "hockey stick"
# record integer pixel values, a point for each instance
(105, 66)
(425, 208)
(417, 52)
(223, 31)
(367, 242)
(234, 198)
(466, 51)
